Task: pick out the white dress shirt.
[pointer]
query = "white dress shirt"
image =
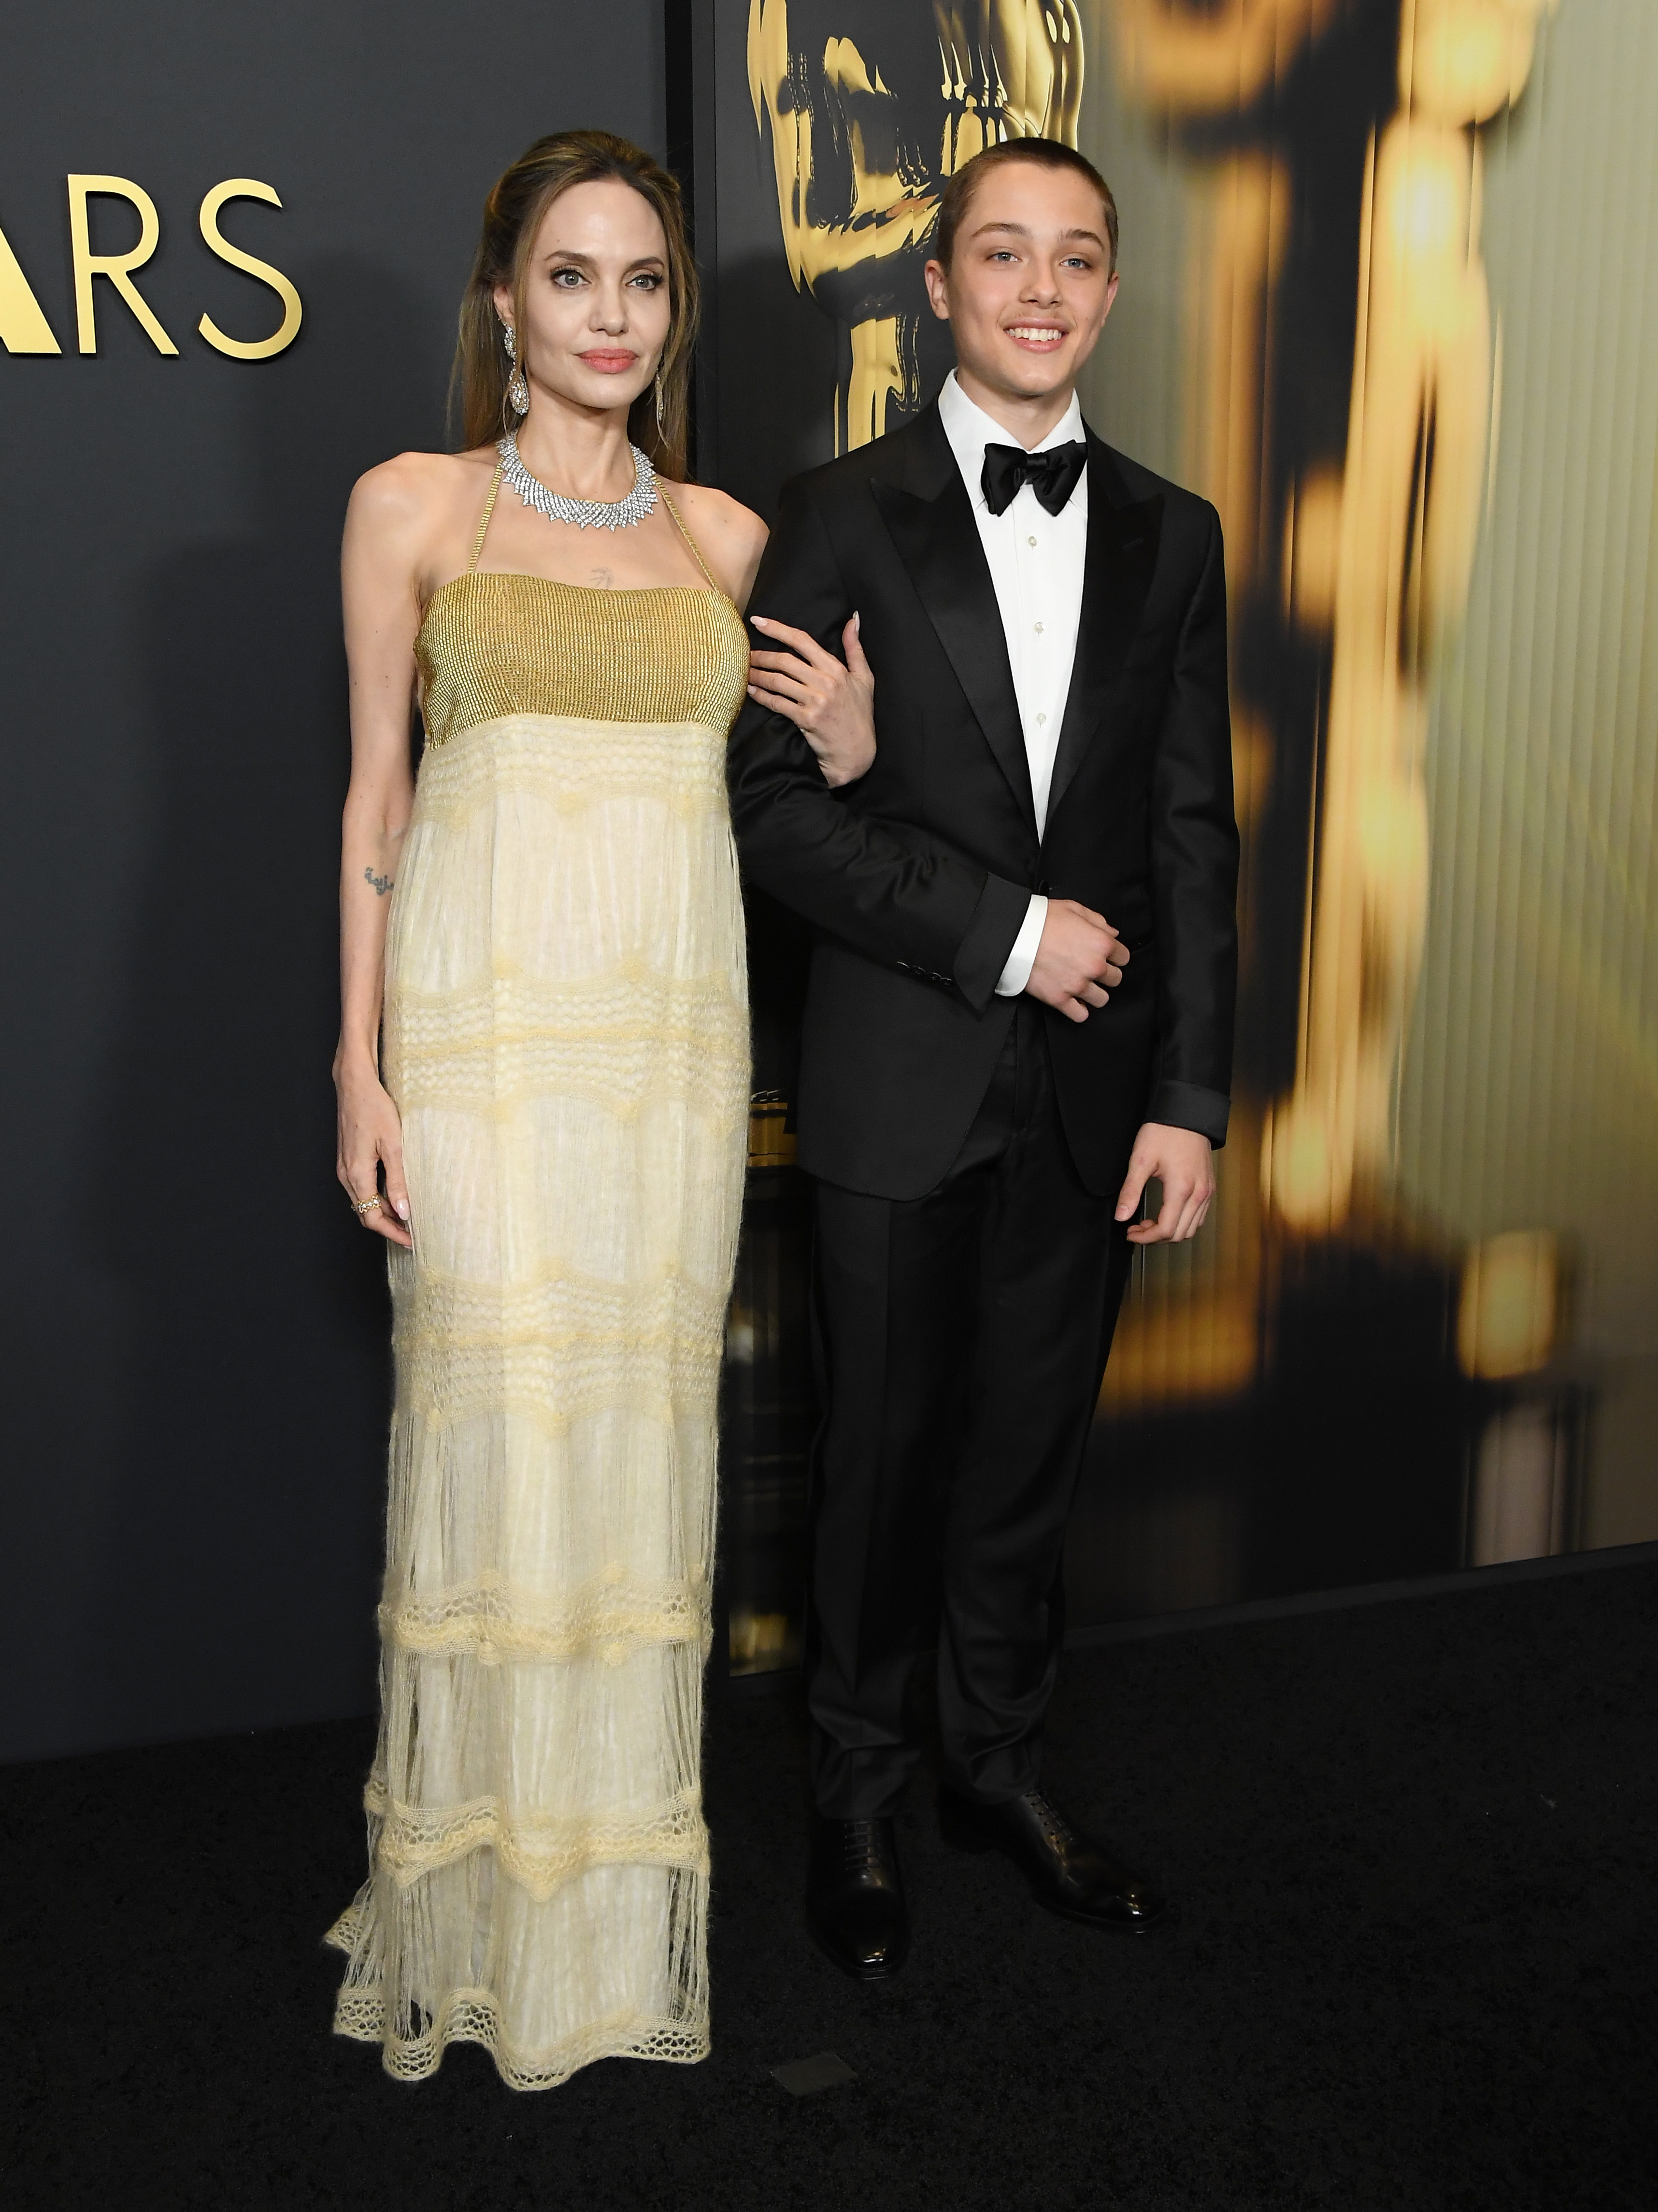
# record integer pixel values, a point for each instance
(1036, 562)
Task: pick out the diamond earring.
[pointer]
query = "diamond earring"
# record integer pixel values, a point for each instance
(659, 401)
(518, 391)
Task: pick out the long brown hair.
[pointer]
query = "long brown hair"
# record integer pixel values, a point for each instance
(511, 217)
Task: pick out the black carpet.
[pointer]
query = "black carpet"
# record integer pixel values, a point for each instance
(1412, 1843)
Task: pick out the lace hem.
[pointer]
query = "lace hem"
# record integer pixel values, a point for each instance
(492, 1622)
(539, 1851)
(474, 2016)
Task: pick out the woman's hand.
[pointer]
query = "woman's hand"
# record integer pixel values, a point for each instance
(830, 702)
(371, 1135)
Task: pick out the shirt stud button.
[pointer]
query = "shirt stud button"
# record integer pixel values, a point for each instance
(1039, 629)
(1029, 541)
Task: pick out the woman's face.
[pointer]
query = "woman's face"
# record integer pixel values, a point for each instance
(596, 306)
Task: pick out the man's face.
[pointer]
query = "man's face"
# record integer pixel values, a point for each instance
(1029, 283)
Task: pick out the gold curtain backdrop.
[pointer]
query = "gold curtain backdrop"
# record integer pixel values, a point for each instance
(1387, 300)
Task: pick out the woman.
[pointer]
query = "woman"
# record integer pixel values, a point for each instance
(553, 924)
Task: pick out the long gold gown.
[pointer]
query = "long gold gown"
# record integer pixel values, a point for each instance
(566, 1038)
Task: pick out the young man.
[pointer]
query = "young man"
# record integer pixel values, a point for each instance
(1020, 1011)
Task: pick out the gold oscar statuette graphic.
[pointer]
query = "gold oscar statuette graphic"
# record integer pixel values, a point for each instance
(1377, 552)
(23, 325)
(859, 177)
(1415, 477)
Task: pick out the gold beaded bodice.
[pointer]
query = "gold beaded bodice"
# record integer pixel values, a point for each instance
(495, 642)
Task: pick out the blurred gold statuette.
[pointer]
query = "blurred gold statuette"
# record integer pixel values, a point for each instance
(1376, 554)
(858, 181)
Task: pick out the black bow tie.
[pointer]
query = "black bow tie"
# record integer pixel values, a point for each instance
(1051, 474)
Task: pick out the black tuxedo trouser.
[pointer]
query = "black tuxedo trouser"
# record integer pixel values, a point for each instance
(961, 1339)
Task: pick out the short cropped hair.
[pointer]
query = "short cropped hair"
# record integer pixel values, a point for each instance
(1046, 154)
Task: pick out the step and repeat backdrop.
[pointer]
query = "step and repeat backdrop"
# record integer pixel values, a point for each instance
(1387, 299)
(234, 243)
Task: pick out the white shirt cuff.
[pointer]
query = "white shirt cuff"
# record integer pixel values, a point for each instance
(1023, 958)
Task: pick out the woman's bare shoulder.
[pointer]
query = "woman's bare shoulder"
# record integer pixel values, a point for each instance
(720, 514)
(731, 536)
(415, 489)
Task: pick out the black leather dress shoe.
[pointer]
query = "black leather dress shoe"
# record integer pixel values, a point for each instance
(855, 1897)
(1068, 1872)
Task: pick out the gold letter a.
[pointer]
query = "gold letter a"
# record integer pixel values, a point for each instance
(23, 328)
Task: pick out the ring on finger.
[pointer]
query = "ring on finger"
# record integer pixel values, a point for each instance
(360, 1206)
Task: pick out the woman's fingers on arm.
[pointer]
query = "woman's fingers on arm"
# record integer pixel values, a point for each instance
(786, 664)
(799, 641)
(779, 682)
(802, 712)
(852, 647)
(779, 700)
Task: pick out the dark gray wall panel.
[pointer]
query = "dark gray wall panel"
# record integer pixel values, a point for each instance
(194, 1333)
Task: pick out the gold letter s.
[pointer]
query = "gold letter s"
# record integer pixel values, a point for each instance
(115, 266)
(245, 188)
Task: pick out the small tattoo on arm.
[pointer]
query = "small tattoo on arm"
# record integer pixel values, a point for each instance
(382, 884)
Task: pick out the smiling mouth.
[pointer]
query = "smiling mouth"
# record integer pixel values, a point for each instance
(1036, 334)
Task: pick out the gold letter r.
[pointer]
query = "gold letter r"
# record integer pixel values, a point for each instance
(116, 266)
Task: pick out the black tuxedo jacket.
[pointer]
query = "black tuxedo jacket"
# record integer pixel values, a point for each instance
(916, 878)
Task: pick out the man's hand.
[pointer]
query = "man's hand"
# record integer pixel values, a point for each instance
(1183, 1161)
(1080, 955)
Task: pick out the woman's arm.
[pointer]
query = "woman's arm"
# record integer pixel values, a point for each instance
(384, 527)
(830, 700)
(888, 887)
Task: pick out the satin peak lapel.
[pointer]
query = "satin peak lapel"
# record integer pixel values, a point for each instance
(1122, 553)
(931, 521)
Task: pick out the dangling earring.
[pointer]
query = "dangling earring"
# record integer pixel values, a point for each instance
(659, 404)
(518, 391)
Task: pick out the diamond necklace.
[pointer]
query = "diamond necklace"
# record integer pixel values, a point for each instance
(585, 513)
